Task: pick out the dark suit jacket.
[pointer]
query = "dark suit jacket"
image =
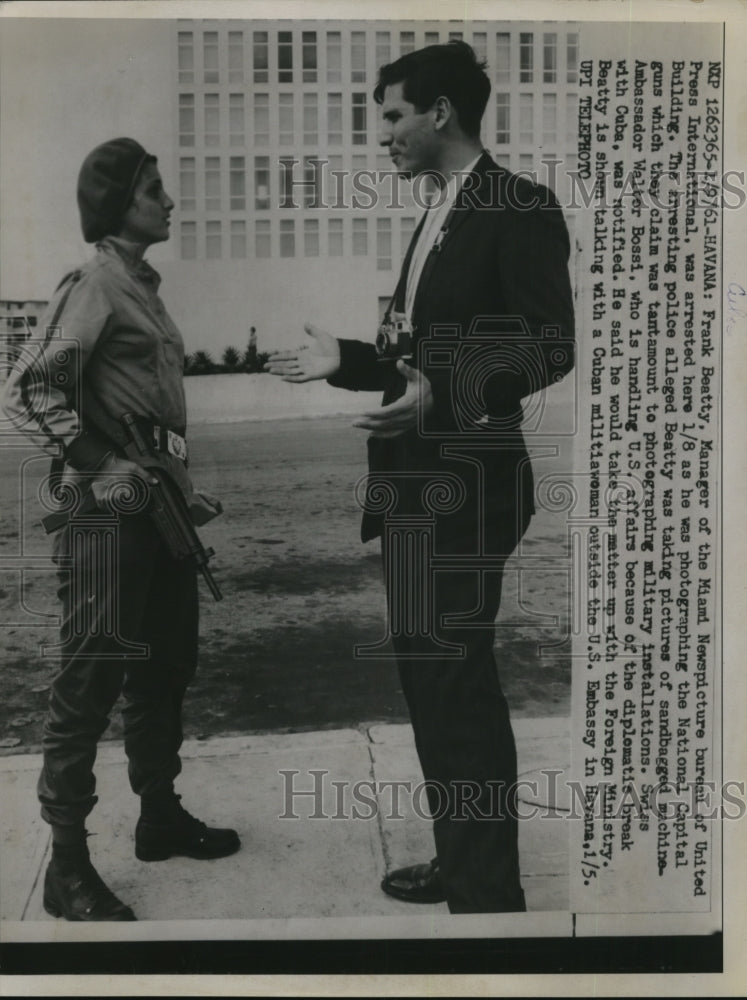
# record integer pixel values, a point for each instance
(493, 319)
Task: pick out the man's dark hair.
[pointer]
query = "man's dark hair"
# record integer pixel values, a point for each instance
(449, 70)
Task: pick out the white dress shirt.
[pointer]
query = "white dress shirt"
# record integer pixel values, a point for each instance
(435, 219)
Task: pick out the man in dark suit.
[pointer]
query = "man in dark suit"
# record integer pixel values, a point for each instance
(484, 300)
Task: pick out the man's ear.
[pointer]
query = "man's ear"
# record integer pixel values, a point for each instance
(444, 110)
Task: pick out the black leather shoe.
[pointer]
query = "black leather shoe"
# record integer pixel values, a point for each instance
(79, 893)
(182, 834)
(416, 884)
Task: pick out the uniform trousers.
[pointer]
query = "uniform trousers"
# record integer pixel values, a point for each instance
(129, 627)
(459, 714)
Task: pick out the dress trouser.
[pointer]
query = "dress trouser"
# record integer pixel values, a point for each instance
(461, 721)
(120, 588)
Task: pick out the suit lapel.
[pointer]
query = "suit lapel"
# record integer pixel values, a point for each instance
(463, 206)
(398, 299)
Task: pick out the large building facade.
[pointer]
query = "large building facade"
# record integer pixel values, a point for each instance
(281, 178)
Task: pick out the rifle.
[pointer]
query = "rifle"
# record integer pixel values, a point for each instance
(170, 513)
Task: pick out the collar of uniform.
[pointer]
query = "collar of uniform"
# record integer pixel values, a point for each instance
(126, 252)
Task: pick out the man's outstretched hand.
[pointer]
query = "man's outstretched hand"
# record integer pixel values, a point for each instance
(319, 358)
(401, 415)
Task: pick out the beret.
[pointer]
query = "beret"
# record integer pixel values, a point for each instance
(106, 183)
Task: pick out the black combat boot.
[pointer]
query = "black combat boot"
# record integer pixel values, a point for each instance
(73, 889)
(166, 828)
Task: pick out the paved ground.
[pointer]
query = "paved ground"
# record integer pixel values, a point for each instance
(289, 872)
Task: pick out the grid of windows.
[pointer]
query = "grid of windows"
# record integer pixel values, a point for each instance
(323, 111)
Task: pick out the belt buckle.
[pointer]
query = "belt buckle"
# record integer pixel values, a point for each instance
(176, 445)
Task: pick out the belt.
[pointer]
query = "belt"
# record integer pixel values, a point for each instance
(168, 440)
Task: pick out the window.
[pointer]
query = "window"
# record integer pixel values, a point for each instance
(407, 228)
(526, 163)
(334, 193)
(262, 238)
(334, 119)
(186, 119)
(311, 237)
(210, 56)
(406, 42)
(358, 56)
(212, 183)
(186, 57)
(549, 58)
(312, 175)
(503, 118)
(261, 119)
(238, 238)
(286, 178)
(456, 36)
(480, 45)
(285, 110)
(236, 119)
(431, 38)
(237, 183)
(285, 57)
(383, 48)
(526, 118)
(334, 57)
(235, 56)
(189, 240)
(261, 57)
(308, 56)
(261, 182)
(212, 241)
(310, 119)
(526, 57)
(359, 119)
(287, 238)
(571, 56)
(549, 118)
(335, 237)
(187, 189)
(571, 115)
(503, 160)
(383, 244)
(212, 120)
(503, 57)
(360, 237)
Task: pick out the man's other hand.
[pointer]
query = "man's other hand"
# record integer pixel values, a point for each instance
(319, 358)
(402, 414)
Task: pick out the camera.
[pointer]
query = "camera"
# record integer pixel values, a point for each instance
(394, 339)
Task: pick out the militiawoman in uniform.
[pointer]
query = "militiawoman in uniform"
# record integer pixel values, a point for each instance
(107, 349)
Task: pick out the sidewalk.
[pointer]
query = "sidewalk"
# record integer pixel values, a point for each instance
(287, 868)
